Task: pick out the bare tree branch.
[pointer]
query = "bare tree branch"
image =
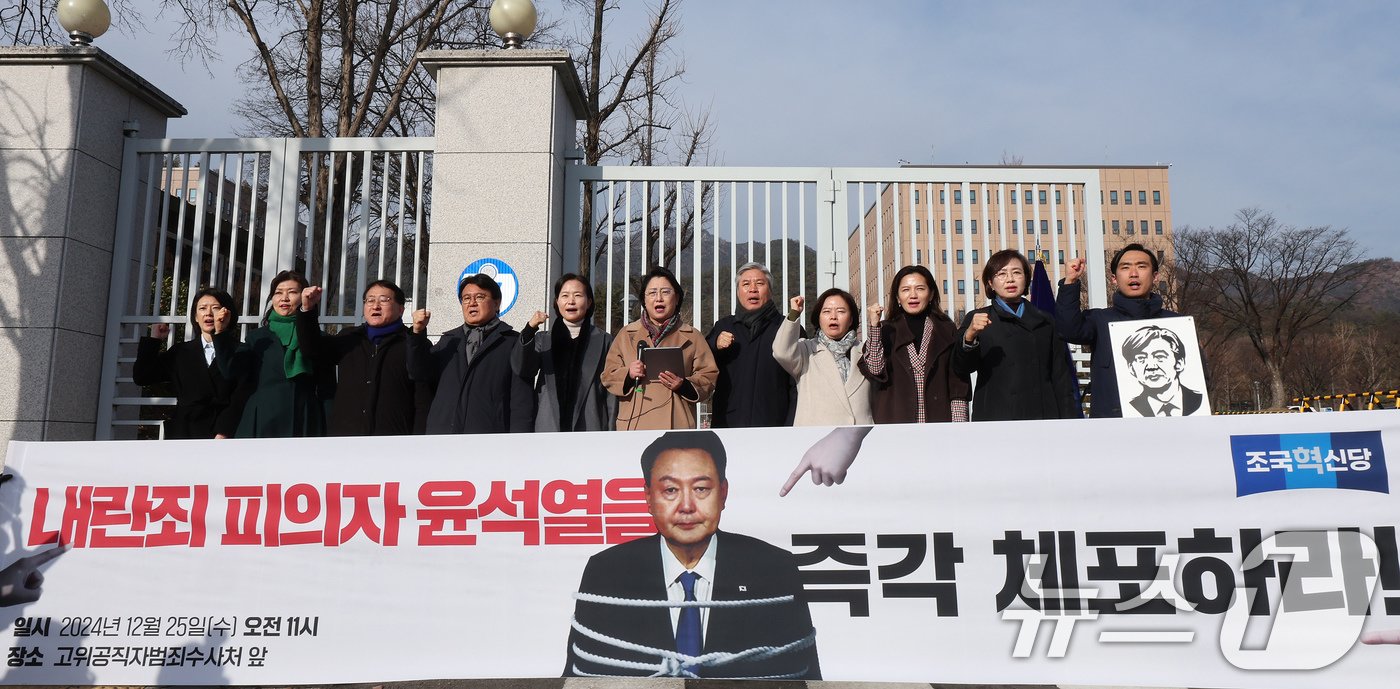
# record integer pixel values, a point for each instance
(1270, 282)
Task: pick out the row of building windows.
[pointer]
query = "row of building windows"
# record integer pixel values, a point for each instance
(1030, 197)
(1044, 226)
(1141, 227)
(1027, 194)
(961, 257)
(1015, 226)
(1128, 197)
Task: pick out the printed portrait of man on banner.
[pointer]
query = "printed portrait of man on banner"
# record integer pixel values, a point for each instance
(691, 601)
(1159, 370)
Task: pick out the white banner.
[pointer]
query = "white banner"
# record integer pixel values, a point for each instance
(1206, 552)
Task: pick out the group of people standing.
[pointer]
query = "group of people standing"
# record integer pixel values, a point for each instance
(758, 367)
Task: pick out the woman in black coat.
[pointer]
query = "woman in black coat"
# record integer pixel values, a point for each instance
(565, 363)
(206, 403)
(1022, 363)
(278, 368)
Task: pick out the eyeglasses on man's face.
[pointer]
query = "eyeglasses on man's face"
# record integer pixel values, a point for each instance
(381, 299)
(475, 298)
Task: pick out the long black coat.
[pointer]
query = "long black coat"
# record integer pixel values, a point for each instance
(1090, 328)
(206, 403)
(594, 408)
(753, 389)
(485, 396)
(277, 407)
(374, 394)
(1022, 367)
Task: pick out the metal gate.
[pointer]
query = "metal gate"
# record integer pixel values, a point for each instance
(231, 213)
(817, 228)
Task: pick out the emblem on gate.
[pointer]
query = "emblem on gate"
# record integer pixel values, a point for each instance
(502, 273)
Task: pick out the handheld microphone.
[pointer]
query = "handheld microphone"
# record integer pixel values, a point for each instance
(641, 382)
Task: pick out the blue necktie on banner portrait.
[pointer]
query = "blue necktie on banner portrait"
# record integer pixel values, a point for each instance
(688, 630)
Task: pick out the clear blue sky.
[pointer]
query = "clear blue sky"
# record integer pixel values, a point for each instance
(1290, 106)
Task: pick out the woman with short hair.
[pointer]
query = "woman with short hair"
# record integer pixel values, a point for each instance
(206, 403)
(1022, 363)
(831, 390)
(666, 400)
(565, 362)
(279, 368)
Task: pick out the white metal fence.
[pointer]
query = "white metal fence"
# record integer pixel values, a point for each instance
(231, 213)
(817, 228)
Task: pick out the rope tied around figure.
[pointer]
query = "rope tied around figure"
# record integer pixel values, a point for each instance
(673, 663)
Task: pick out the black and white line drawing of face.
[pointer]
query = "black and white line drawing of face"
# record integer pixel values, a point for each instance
(1155, 357)
(1157, 366)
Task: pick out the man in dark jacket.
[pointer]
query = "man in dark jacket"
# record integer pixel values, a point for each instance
(476, 388)
(374, 394)
(753, 389)
(1134, 276)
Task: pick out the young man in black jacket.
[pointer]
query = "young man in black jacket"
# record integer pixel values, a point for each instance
(1134, 276)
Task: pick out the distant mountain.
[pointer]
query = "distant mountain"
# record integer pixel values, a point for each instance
(1383, 296)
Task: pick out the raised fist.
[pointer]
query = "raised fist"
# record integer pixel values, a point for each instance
(980, 321)
(1074, 270)
(538, 319)
(160, 331)
(796, 303)
(310, 297)
(876, 312)
(725, 339)
(420, 320)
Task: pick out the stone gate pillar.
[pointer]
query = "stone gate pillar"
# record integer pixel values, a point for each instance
(506, 121)
(63, 114)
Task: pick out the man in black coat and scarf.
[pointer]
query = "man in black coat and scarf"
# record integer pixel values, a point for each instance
(476, 388)
(375, 394)
(753, 389)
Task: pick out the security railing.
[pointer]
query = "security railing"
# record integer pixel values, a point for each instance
(231, 213)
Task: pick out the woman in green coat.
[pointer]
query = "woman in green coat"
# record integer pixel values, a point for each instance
(277, 364)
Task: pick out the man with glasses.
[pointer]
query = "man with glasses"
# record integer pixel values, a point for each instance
(374, 393)
(475, 387)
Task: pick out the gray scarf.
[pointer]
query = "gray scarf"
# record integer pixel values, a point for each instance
(840, 350)
(477, 334)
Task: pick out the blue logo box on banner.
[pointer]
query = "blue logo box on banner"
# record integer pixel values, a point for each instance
(1288, 461)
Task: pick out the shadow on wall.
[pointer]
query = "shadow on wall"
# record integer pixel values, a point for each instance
(31, 258)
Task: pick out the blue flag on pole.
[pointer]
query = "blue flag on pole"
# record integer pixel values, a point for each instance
(1042, 294)
(1043, 298)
